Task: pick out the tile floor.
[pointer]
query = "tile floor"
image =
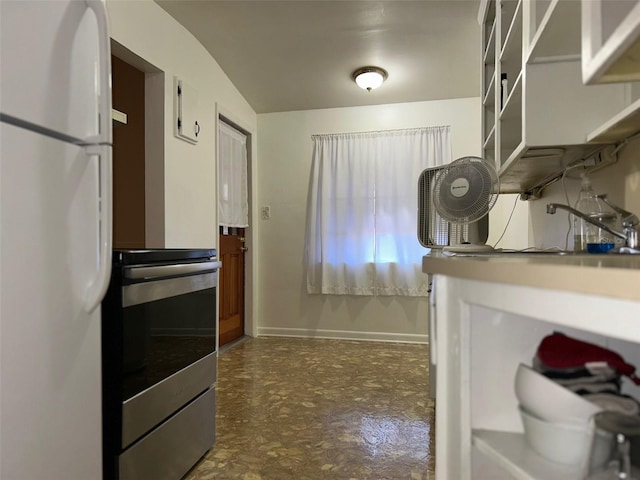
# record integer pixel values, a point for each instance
(307, 409)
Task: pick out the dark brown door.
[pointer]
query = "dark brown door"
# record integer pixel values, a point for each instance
(231, 253)
(128, 157)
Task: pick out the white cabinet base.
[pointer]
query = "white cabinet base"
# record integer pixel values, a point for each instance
(484, 329)
(510, 453)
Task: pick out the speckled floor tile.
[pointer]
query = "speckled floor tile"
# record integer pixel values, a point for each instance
(307, 409)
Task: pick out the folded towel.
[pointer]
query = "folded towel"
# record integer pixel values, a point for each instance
(581, 380)
(599, 370)
(559, 351)
(587, 388)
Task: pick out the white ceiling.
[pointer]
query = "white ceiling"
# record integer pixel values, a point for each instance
(299, 55)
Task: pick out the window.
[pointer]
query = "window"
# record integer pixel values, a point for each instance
(233, 203)
(362, 211)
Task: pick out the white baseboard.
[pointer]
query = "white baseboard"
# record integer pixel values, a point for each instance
(342, 335)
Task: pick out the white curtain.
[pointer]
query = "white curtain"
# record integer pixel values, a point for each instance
(362, 211)
(233, 204)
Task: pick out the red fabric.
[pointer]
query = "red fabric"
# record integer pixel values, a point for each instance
(560, 351)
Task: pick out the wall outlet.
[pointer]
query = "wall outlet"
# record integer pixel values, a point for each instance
(265, 212)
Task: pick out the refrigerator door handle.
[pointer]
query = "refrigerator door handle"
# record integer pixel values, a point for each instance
(104, 44)
(101, 146)
(98, 287)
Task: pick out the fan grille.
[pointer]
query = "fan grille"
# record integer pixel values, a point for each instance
(433, 230)
(465, 190)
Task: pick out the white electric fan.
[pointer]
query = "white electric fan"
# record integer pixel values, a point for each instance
(463, 192)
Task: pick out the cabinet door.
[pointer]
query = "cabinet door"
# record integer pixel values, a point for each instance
(187, 126)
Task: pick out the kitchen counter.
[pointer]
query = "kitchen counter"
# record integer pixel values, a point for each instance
(616, 276)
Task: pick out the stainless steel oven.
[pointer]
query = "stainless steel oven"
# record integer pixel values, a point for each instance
(159, 362)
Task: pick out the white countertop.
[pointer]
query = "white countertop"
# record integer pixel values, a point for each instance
(615, 276)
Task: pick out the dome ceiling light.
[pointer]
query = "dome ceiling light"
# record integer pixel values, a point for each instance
(369, 78)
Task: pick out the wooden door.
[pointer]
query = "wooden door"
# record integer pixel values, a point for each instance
(231, 281)
(128, 156)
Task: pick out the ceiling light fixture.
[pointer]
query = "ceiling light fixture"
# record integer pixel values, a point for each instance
(369, 78)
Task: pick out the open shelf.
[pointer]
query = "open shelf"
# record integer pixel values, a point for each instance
(512, 46)
(490, 94)
(489, 56)
(612, 55)
(538, 10)
(536, 47)
(511, 452)
(508, 9)
(508, 157)
(619, 127)
(512, 109)
(490, 141)
(484, 467)
(558, 36)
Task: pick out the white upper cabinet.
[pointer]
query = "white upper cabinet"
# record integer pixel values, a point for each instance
(186, 126)
(610, 40)
(538, 115)
(611, 53)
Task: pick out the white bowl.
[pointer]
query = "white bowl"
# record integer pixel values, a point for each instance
(551, 401)
(566, 443)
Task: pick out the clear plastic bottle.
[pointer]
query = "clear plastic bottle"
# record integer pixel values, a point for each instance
(588, 237)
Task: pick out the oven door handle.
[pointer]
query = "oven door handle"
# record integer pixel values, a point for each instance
(148, 273)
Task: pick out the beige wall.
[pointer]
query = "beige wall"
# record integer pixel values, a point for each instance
(190, 205)
(285, 149)
(515, 227)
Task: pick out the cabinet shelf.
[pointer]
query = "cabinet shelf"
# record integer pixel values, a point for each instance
(490, 141)
(508, 10)
(489, 56)
(619, 127)
(612, 54)
(558, 36)
(509, 158)
(489, 99)
(513, 106)
(511, 452)
(512, 46)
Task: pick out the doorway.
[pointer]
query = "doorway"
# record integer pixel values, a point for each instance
(138, 89)
(128, 89)
(233, 218)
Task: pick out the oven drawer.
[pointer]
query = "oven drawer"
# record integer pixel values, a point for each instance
(169, 451)
(150, 407)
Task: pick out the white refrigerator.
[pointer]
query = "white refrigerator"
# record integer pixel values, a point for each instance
(55, 235)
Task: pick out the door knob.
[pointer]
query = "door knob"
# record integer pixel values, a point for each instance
(244, 249)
